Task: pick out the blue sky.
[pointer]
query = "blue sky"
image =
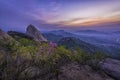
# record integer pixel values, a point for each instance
(59, 14)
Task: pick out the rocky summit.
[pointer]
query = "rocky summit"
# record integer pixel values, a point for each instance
(35, 33)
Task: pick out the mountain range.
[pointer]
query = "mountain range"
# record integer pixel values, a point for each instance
(107, 42)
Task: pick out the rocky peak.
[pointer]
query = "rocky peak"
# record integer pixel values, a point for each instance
(35, 33)
(31, 27)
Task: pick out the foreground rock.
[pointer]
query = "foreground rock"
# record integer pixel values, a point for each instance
(33, 32)
(75, 71)
(111, 67)
(69, 71)
(30, 72)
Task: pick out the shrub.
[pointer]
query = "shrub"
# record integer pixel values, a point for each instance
(63, 52)
(81, 56)
(96, 58)
(9, 45)
(27, 42)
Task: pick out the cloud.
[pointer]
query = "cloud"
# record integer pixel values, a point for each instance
(56, 14)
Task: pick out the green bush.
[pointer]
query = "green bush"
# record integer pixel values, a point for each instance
(81, 56)
(9, 45)
(27, 42)
(63, 51)
(98, 56)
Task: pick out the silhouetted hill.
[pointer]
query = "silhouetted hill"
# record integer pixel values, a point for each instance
(116, 32)
(62, 32)
(52, 37)
(73, 43)
(91, 32)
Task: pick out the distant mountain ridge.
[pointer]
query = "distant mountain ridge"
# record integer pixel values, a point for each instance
(61, 32)
(91, 32)
(117, 32)
(52, 37)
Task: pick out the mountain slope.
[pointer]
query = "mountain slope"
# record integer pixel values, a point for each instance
(73, 43)
(52, 37)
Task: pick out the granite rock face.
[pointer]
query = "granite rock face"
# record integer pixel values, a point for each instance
(111, 67)
(69, 71)
(35, 33)
(75, 71)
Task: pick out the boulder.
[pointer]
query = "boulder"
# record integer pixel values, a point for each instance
(7, 41)
(35, 33)
(4, 35)
(30, 72)
(111, 67)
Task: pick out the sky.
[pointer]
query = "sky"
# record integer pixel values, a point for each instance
(60, 14)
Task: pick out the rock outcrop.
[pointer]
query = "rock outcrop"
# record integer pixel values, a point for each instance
(111, 67)
(68, 71)
(74, 71)
(4, 35)
(36, 34)
(5, 39)
(19, 35)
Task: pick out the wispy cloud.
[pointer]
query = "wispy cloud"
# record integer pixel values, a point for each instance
(53, 14)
